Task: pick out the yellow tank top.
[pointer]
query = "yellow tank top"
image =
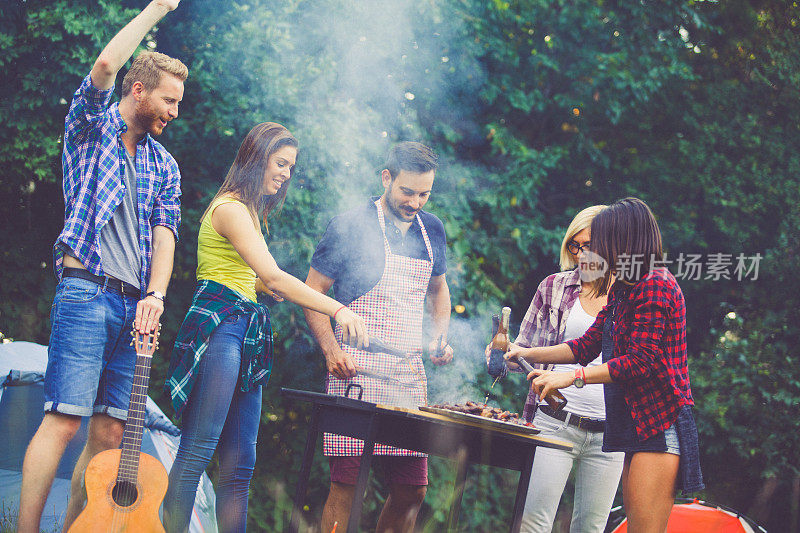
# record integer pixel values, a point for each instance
(218, 261)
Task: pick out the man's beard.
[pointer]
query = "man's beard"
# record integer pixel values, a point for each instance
(147, 118)
(399, 212)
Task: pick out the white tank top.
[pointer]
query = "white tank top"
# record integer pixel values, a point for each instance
(587, 401)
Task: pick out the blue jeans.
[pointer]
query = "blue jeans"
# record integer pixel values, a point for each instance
(90, 362)
(597, 475)
(218, 416)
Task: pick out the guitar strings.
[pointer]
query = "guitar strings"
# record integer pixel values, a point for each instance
(129, 467)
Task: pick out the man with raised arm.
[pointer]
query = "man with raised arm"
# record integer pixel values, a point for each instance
(113, 258)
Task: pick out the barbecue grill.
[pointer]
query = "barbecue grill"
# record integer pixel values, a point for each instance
(466, 442)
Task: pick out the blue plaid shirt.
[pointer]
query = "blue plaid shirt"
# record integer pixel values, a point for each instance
(94, 186)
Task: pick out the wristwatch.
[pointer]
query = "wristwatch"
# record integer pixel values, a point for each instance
(580, 378)
(156, 294)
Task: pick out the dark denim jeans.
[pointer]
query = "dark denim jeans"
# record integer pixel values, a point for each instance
(218, 416)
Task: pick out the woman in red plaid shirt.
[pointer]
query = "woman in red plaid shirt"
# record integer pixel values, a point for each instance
(642, 336)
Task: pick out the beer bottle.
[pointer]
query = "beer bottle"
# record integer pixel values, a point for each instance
(497, 365)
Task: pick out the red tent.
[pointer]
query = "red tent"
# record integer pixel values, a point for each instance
(702, 517)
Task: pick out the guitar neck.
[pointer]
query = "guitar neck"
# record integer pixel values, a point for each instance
(134, 426)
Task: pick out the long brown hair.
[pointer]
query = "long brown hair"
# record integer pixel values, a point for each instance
(246, 176)
(628, 230)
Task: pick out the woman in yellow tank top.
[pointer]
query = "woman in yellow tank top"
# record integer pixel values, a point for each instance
(223, 352)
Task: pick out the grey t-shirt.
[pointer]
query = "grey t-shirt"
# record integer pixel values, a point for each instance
(119, 238)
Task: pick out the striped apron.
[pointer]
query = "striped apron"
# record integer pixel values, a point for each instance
(393, 312)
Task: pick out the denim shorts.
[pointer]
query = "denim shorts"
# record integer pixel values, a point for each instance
(671, 439)
(90, 361)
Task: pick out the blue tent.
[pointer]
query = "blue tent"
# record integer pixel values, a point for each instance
(22, 366)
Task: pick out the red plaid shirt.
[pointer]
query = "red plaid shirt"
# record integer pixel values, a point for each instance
(649, 346)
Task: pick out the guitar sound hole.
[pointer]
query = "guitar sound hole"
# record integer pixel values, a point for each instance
(124, 493)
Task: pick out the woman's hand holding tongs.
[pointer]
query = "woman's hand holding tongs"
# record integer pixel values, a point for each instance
(354, 330)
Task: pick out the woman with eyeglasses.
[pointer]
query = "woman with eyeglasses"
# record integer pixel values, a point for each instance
(641, 336)
(563, 308)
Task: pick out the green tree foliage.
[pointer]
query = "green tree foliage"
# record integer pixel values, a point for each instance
(47, 48)
(747, 191)
(557, 78)
(539, 109)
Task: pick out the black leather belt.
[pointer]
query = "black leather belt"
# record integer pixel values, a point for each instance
(594, 425)
(114, 284)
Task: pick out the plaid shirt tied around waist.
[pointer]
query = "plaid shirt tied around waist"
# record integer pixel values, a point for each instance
(650, 361)
(211, 304)
(94, 186)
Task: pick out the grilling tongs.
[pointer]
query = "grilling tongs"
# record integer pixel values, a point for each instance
(376, 345)
(384, 377)
(555, 399)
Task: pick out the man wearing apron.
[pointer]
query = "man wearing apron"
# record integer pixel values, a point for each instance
(386, 261)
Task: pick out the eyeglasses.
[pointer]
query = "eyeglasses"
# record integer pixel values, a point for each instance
(574, 248)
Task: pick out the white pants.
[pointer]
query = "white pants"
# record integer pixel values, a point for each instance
(597, 476)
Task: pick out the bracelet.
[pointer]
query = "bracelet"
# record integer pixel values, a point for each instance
(337, 311)
(155, 294)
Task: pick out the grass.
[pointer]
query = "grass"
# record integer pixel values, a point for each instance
(8, 520)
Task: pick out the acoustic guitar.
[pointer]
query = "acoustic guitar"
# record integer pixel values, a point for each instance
(124, 487)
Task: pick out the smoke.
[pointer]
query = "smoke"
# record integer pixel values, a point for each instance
(466, 378)
(349, 79)
(352, 110)
(389, 71)
(384, 73)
